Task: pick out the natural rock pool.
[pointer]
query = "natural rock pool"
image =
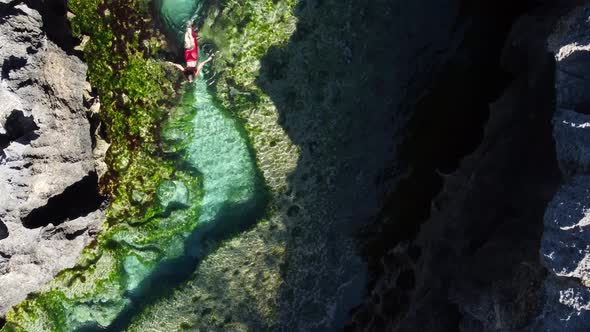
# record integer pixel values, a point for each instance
(332, 171)
(217, 146)
(217, 191)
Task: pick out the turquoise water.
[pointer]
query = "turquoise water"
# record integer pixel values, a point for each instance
(217, 148)
(234, 195)
(175, 13)
(219, 151)
(209, 141)
(213, 144)
(221, 154)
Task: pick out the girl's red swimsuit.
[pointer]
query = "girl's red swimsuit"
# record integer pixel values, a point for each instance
(192, 55)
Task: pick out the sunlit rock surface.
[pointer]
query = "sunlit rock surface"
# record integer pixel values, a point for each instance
(49, 205)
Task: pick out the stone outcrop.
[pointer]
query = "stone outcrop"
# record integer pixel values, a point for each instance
(566, 241)
(50, 207)
(473, 263)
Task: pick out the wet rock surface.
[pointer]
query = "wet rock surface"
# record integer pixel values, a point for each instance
(47, 173)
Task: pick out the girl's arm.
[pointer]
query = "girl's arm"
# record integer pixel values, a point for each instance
(176, 65)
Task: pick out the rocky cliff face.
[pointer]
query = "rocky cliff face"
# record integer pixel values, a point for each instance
(50, 207)
(502, 246)
(565, 244)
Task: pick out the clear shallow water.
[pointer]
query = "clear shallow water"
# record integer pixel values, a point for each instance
(215, 145)
(219, 150)
(175, 13)
(221, 154)
(234, 195)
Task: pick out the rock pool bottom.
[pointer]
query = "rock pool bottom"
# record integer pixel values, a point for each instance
(217, 192)
(234, 192)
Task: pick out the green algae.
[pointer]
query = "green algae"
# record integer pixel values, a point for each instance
(236, 287)
(134, 90)
(244, 32)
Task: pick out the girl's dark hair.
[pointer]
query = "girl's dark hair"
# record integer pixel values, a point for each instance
(190, 71)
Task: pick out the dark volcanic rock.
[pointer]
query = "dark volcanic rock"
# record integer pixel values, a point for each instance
(344, 87)
(45, 148)
(474, 264)
(566, 241)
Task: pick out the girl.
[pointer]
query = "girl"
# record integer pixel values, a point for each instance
(191, 72)
(191, 55)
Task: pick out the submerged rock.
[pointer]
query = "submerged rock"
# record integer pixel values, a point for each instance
(173, 195)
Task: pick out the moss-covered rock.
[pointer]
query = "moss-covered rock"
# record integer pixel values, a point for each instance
(244, 32)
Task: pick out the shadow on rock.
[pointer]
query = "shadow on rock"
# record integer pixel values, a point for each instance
(344, 87)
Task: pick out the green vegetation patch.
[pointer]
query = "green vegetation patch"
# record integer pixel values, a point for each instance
(155, 198)
(245, 31)
(134, 90)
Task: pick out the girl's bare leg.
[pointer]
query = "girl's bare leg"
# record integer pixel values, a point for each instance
(200, 66)
(211, 57)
